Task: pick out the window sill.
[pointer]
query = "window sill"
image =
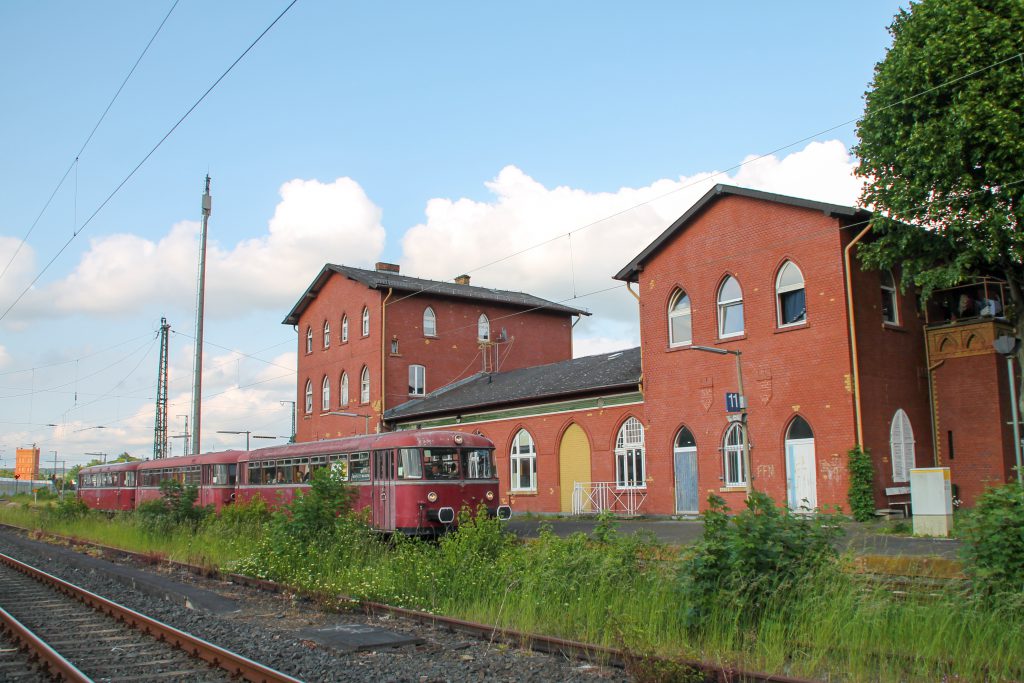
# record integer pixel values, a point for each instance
(528, 494)
(727, 340)
(733, 489)
(678, 347)
(792, 328)
(894, 327)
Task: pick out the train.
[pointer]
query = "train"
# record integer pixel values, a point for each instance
(413, 482)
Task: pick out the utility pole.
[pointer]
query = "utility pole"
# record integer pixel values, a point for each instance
(160, 430)
(292, 404)
(197, 370)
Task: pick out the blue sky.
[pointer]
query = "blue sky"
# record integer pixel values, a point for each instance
(362, 132)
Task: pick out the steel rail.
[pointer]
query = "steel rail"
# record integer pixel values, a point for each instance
(231, 662)
(54, 662)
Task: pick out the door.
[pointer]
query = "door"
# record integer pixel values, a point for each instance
(801, 483)
(687, 495)
(382, 490)
(573, 464)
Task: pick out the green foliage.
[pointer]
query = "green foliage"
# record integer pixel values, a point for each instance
(69, 508)
(175, 507)
(861, 495)
(760, 555)
(942, 145)
(993, 541)
(312, 515)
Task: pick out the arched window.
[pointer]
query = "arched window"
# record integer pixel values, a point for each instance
(343, 399)
(901, 446)
(483, 328)
(417, 380)
(730, 308)
(325, 394)
(734, 472)
(364, 385)
(366, 322)
(799, 429)
(524, 462)
(629, 456)
(890, 311)
(790, 298)
(429, 323)
(327, 334)
(309, 339)
(680, 324)
(344, 329)
(309, 396)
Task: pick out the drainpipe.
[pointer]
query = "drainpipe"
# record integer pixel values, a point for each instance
(931, 400)
(383, 357)
(853, 335)
(641, 384)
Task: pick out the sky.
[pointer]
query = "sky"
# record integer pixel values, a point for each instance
(536, 146)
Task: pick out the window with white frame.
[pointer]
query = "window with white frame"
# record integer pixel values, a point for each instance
(790, 299)
(483, 328)
(524, 462)
(364, 385)
(680, 322)
(325, 394)
(343, 383)
(730, 308)
(344, 329)
(417, 380)
(734, 471)
(366, 322)
(429, 322)
(629, 456)
(309, 396)
(890, 312)
(327, 334)
(901, 446)
(309, 339)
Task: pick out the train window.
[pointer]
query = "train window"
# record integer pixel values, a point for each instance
(359, 466)
(477, 463)
(302, 470)
(339, 466)
(232, 474)
(254, 473)
(410, 466)
(221, 477)
(192, 476)
(441, 463)
(129, 479)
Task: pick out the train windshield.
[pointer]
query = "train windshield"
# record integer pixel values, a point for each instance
(478, 463)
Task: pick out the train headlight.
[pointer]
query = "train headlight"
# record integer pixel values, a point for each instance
(432, 497)
(490, 495)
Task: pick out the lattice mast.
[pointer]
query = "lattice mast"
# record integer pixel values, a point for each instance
(160, 430)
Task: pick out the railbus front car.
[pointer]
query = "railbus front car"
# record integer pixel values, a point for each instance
(109, 487)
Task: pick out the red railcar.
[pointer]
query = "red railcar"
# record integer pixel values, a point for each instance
(109, 487)
(412, 482)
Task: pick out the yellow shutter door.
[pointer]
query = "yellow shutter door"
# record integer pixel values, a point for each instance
(573, 463)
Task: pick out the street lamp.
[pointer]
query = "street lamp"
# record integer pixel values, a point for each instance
(99, 455)
(366, 419)
(1008, 346)
(742, 406)
(237, 431)
(292, 404)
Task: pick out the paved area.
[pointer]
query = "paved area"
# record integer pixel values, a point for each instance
(858, 538)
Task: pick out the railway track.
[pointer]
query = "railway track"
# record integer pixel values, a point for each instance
(80, 636)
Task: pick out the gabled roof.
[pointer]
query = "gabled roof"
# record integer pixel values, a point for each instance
(631, 272)
(375, 279)
(601, 373)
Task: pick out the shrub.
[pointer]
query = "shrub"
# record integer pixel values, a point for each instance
(862, 484)
(176, 506)
(312, 515)
(69, 508)
(993, 535)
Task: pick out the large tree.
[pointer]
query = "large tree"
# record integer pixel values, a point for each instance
(942, 147)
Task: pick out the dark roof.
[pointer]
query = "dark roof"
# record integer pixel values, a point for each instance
(631, 271)
(607, 371)
(375, 279)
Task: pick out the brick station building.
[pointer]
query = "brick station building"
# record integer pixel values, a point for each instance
(831, 356)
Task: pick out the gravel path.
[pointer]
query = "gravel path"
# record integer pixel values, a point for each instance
(265, 628)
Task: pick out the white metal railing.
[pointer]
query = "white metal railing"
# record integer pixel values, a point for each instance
(593, 497)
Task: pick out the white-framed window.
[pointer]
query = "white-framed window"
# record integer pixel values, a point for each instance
(325, 394)
(790, 297)
(629, 456)
(309, 339)
(417, 380)
(364, 385)
(734, 472)
(730, 308)
(483, 328)
(680, 321)
(890, 310)
(309, 396)
(429, 322)
(901, 446)
(343, 383)
(366, 322)
(524, 462)
(344, 329)
(327, 334)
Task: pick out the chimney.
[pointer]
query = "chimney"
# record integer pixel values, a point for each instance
(382, 267)
(462, 280)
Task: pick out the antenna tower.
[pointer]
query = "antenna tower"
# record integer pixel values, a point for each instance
(160, 430)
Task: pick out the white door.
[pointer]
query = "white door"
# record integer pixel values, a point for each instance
(801, 483)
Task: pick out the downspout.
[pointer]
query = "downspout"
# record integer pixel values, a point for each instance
(853, 336)
(383, 357)
(931, 400)
(640, 386)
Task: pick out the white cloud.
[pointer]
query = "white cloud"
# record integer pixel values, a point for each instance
(822, 171)
(5, 357)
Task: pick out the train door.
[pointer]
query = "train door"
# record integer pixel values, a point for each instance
(382, 490)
